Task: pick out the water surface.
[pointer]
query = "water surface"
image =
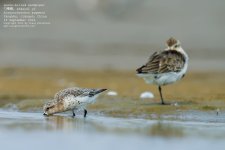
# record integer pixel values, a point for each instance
(97, 131)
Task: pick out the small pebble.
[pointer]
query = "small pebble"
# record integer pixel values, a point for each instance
(175, 104)
(146, 95)
(112, 93)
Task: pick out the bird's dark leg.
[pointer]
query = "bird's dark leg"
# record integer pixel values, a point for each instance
(73, 113)
(85, 112)
(160, 91)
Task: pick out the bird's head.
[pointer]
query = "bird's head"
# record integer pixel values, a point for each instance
(52, 107)
(173, 44)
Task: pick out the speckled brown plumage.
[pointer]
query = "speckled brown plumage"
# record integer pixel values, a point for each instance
(163, 62)
(71, 99)
(165, 67)
(75, 91)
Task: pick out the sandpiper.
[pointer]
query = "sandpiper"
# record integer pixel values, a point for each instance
(71, 99)
(165, 67)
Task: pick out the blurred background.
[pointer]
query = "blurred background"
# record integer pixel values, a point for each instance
(116, 34)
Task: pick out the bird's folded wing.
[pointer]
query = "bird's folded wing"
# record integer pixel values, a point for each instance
(163, 62)
(82, 92)
(69, 91)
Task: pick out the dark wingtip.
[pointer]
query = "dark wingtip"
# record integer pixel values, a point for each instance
(93, 93)
(102, 90)
(139, 70)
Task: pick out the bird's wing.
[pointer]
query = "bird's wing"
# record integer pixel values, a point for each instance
(82, 92)
(69, 91)
(163, 62)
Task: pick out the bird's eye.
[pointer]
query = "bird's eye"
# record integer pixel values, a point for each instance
(47, 108)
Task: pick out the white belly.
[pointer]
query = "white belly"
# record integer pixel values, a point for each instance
(71, 102)
(87, 99)
(167, 78)
(161, 79)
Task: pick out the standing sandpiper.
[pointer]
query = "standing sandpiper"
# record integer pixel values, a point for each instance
(71, 99)
(165, 67)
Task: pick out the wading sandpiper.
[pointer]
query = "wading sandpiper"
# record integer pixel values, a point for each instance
(165, 67)
(71, 99)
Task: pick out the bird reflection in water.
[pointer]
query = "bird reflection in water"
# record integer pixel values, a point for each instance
(58, 122)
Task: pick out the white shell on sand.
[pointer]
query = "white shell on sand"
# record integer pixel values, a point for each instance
(112, 93)
(146, 95)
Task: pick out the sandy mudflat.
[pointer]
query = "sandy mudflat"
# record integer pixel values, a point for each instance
(198, 90)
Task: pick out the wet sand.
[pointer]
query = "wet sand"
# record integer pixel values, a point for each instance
(28, 89)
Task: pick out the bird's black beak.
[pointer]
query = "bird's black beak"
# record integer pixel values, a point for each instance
(44, 114)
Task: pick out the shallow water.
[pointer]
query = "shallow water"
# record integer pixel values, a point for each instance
(191, 130)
